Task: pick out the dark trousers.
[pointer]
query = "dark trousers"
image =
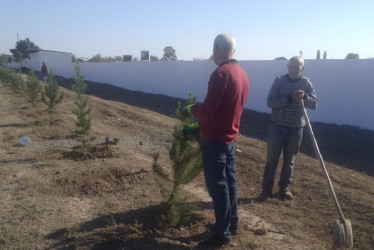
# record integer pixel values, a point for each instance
(281, 138)
(219, 172)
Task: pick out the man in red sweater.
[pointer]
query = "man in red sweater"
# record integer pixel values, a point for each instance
(219, 119)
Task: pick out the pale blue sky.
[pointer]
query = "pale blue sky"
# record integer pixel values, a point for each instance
(264, 29)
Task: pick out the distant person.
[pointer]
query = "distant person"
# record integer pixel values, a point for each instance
(286, 126)
(219, 119)
(44, 72)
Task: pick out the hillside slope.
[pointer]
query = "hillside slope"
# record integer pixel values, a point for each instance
(50, 199)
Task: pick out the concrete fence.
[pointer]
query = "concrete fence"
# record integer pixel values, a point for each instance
(344, 87)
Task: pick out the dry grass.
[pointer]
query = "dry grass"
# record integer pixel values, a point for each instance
(53, 201)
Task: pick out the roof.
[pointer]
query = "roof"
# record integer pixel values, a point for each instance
(38, 50)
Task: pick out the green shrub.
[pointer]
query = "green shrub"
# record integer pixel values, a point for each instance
(51, 96)
(33, 88)
(185, 155)
(82, 111)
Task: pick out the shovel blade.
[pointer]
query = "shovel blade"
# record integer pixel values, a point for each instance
(343, 237)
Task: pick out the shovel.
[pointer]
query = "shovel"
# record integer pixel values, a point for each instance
(342, 227)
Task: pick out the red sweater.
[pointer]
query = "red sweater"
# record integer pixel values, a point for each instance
(219, 115)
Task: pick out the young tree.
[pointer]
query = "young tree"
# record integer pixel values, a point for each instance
(17, 82)
(185, 154)
(318, 55)
(170, 53)
(33, 88)
(22, 49)
(51, 96)
(82, 111)
(325, 55)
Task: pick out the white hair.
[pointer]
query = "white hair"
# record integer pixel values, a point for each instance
(297, 59)
(225, 43)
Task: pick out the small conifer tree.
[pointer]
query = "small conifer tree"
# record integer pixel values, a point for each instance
(325, 55)
(17, 82)
(82, 111)
(185, 155)
(51, 96)
(33, 88)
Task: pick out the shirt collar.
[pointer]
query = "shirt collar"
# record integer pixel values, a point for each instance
(228, 61)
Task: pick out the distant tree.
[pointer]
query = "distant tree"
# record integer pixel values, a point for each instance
(318, 55)
(73, 58)
(170, 53)
(280, 58)
(118, 58)
(51, 96)
(97, 58)
(22, 48)
(352, 56)
(135, 59)
(325, 55)
(82, 110)
(154, 58)
(33, 88)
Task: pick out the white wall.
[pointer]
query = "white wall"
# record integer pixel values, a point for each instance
(344, 87)
(58, 62)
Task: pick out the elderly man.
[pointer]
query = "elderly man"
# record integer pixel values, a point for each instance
(219, 119)
(286, 127)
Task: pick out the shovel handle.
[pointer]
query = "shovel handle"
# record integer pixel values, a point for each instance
(316, 149)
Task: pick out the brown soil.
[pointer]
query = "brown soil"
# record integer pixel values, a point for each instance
(56, 196)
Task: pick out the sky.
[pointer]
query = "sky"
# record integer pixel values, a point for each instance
(263, 29)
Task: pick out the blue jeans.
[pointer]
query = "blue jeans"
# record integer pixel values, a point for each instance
(219, 172)
(281, 138)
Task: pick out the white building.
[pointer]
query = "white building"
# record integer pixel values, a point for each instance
(53, 59)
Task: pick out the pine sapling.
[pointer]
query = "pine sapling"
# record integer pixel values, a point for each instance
(33, 88)
(51, 96)
(185, 155)
(82, 111)
(17, 82)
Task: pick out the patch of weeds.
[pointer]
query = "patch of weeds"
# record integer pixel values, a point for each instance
(12, 238)
(32, 211)
(145, 193)
(287, 239)
(254, 245)
(73, 233)
(126, 185)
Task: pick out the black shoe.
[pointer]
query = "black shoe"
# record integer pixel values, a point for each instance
(233, 230)
(264, 195)
(214, 242)
(285, 194)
